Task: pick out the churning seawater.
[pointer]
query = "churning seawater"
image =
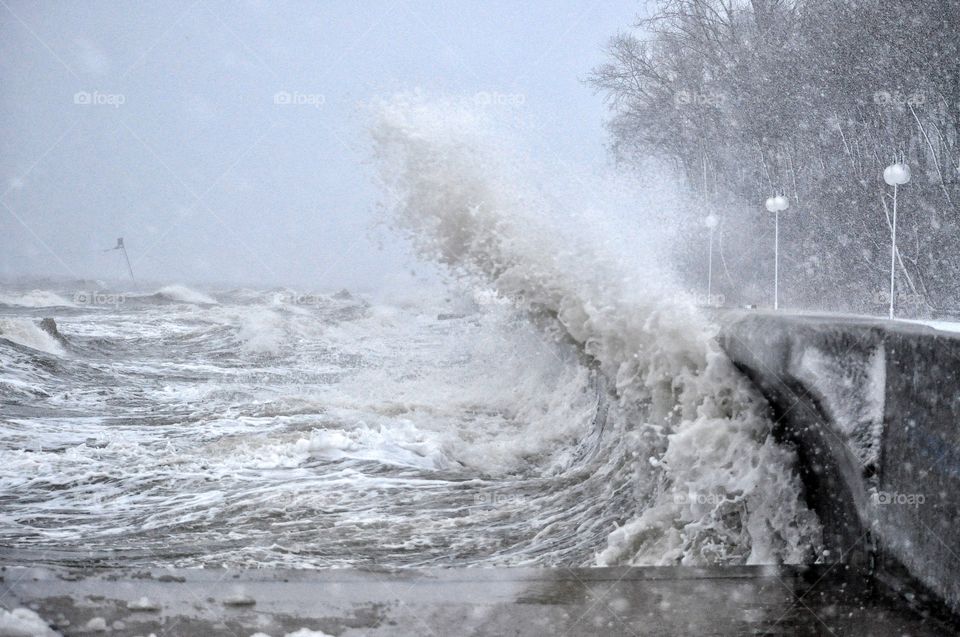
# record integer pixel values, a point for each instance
(280, 429)
(547, 405)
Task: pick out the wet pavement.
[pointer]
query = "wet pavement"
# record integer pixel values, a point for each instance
(739, 600)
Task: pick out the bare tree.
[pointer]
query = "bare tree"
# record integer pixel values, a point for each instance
(811, 98)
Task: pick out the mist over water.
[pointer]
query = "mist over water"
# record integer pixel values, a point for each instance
(715, 486)
(554, 401)
(409, 317)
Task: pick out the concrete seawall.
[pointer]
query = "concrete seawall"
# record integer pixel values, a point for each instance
(873, 408)
(630, 601)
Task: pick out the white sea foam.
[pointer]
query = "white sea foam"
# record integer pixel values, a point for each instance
(552, 392)
(23, 622)
(261, 331)
(27, 333)
(183, 294)
(34, 298)
(723, 490)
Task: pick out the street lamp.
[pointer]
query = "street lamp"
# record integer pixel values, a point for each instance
(710, 221)
(776, 205)
(895, 175)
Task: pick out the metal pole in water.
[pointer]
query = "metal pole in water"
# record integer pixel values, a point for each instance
(127, 258)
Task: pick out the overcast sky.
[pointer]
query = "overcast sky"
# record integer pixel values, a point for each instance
(159, 122)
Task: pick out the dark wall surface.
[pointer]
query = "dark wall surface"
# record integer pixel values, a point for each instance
(873, 408)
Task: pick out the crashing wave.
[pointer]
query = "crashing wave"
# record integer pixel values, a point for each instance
(34, 298)
(27, 333)
(183, 294)
(711, 484)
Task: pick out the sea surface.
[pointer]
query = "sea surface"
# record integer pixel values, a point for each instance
(278, 428)
(551, 399)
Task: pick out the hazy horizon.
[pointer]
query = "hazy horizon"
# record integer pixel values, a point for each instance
(227, 144)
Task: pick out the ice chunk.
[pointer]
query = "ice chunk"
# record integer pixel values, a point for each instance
(144, 603)
(239, 600)
(96, 625)
(23, 622)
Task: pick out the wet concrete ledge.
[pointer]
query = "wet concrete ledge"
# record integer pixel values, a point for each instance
(824, 599)
(893, 569)
(873, 408)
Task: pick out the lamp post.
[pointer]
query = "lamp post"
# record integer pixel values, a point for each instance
(895, 175)
(776, 204)
(710, 221)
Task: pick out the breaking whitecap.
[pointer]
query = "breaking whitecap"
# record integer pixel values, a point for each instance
(549, 406)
